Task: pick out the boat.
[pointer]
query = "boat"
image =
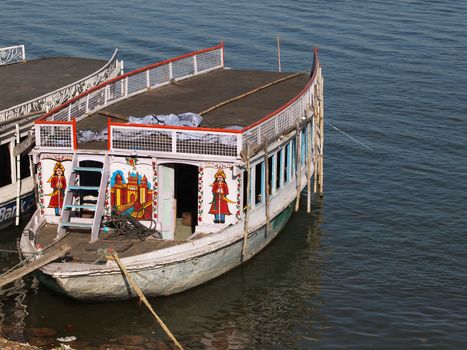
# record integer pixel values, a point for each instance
(29, 89)
(201, 168)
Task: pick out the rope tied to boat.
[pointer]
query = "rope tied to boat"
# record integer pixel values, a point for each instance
(125, 226)
(112, 255)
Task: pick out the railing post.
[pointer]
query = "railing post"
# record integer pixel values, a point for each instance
(126, 87)
(148, 80)
(239, 144)
(109, 134)
(87, 103)
(37, 133)
(23, 51)
(171, 73)
(222, 54)
(174, 141)
(195, 64)
(74, 136)
(106, 93)
(69, 112)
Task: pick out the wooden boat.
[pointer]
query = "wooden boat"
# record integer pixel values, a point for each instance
(217, 193)
(29, 89)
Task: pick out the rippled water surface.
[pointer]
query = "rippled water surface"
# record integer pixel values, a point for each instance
(381, 262)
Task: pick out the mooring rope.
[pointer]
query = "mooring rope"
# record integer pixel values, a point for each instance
(12, 268)
(344, 133)
(138, 291)
(125, 226)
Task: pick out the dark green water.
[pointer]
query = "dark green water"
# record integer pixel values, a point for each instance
(381, 262)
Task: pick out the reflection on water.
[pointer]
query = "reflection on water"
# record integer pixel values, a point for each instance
(263, 302)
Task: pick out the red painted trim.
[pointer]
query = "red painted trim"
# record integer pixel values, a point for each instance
(300, 94)
(109, 134)
(120, 77)
(52, 122)
(183, 128)
(74, 135)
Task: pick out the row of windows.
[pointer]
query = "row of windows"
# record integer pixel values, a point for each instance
(282, 167)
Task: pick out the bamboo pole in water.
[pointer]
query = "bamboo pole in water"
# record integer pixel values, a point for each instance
(298, 166)
(247, 199)
(315, 139)
(321, 116)
(143, 298)
(308, 162)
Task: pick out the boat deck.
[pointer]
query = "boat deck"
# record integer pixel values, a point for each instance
(22, 82)
(199, 93)
(83, 251)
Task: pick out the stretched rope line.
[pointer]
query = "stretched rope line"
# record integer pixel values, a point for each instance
(335, 127)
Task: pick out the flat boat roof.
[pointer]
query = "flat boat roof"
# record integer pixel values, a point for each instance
(201, 92)
(22, 82)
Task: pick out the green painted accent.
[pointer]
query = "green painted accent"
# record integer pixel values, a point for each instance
(92, 188)
(281, 219)
(97, 170)
(72, 206)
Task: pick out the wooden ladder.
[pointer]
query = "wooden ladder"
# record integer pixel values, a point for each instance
(72, 200)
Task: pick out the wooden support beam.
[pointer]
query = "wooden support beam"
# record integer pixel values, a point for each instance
(36, 264)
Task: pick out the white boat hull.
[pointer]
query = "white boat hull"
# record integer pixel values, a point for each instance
(167, 278)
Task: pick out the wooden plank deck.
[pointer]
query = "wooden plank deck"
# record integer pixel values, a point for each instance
(83, 251)
(202, 92)
(22, 82)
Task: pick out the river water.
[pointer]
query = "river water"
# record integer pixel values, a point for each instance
(380, 263)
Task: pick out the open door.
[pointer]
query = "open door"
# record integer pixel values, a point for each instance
(167, 207)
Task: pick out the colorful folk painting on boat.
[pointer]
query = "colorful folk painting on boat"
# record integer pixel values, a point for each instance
(131, 194)
(55, 183)
(220, 202)
(217, 188)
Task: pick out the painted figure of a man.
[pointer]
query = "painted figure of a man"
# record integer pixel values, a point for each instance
(219, 204)
(58, 183)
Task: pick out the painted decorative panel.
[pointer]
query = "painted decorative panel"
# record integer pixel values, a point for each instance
(218, 194)
(132, 186)
(53, 172)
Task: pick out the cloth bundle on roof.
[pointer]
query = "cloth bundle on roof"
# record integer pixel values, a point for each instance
(184, 119)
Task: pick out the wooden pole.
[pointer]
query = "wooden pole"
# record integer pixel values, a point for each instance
(298, 167)
(321, 116)
(143, 298)
(248, 199)
(30, 267)
(308, 163)
(267, 187)
(249, 93)
(315, 140)
(278, 52)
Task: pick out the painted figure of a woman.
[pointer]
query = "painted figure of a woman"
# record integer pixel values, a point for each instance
(58, 183)
(219, 204)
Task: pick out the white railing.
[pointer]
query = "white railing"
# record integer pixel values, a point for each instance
(12, 54)
(60, 135)
(163, 139)
(53, 99)
(274, 125)
(133, 83)
(179, 140)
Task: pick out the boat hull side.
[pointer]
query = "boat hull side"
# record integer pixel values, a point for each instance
(166, 279)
